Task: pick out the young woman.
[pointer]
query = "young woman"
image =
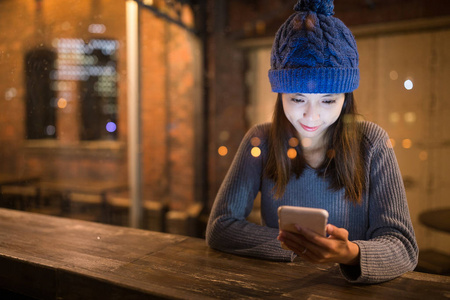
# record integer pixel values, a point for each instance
(317, 153)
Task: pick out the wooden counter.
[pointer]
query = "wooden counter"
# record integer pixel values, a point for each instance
(54, 258)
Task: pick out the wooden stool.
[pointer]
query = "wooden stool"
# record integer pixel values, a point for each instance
(119, 210)
(25, 194)
(154, 215)
(184, 222)
(87, 207)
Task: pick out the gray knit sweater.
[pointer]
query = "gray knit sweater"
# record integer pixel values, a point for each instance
(381, 225)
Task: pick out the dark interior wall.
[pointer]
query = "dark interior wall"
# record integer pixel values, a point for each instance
(262, 18)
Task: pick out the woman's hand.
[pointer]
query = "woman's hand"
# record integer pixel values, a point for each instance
(317, 249)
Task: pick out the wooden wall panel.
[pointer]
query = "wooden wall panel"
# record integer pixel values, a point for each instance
(261, 97)
(440, 133)
(368, 92)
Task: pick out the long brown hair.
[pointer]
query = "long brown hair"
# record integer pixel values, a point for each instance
(343, 165)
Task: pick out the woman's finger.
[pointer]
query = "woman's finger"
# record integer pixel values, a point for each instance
(302, 251)
(337, 233)
(299, 243)
(313, 239)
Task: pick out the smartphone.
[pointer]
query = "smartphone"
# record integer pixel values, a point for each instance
(313, 218)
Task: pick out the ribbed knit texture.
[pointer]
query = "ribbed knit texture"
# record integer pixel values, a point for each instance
(314, 52)
(381, 226)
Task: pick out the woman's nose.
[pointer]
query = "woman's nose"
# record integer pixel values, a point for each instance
(311, 112)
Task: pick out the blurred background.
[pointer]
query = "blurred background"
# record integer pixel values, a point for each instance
(202, 83)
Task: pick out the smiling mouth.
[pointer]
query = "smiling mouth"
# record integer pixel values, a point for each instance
(310, 129)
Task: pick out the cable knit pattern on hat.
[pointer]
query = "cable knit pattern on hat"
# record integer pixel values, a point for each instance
(314, 52)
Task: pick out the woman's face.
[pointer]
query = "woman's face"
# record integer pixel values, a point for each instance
(312, 114)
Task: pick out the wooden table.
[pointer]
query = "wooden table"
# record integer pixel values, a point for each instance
(56, 258)
(98, 188)
(91, 187)
(7, 179)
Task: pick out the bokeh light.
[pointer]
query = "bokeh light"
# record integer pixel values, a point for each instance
(222, 150)
(406, 143)
(393, 75)
(62, 103)
(293, 142)
(256, 152)
(306, 142)
(410, 117)
(224, 135)
(50, 130)
(408, 84)
(394, 117)
(97, 28)
(255, 141)
(423, 155)
(292, 153)
(10, 94)
(390, 143)
(111, 126)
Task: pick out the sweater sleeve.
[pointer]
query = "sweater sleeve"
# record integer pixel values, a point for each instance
(228, 230)
(390, 248)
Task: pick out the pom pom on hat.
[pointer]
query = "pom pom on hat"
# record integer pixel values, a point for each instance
(314, 52)
(324, 7)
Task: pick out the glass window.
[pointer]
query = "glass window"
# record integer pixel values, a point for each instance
(39, 94)
(92, 67)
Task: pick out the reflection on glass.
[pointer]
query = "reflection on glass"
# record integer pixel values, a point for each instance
(39, 65)
(91, 66)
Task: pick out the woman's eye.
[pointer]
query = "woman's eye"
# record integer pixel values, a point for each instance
(296, 100)
(330, 101)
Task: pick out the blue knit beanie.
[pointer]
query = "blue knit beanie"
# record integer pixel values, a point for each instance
(314, 52)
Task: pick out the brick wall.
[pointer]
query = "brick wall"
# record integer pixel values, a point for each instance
(171, 98)
(36, 24)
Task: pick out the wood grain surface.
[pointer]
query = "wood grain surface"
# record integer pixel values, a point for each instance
(55, 258)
